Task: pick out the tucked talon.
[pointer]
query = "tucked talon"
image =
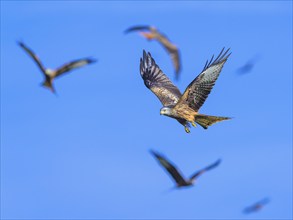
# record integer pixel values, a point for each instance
(193, 124)
(187, 129)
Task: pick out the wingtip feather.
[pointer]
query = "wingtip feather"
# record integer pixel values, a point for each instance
(91, 60)
(137, 28)
(218, 161)
(154, 153)
(222, 57)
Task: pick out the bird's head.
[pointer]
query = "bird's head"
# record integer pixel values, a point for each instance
(49, 72)
(166, 111)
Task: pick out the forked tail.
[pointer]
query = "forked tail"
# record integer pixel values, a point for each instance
(206, 120)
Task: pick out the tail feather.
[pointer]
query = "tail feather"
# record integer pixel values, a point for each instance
(206, 120)
(49, 85)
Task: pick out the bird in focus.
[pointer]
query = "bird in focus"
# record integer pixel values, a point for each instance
(257, 206)
(152, 33)
(175, 174)
(184, 108)
(50, 74)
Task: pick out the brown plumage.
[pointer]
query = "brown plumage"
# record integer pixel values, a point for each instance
(184, 107)
(151, 34)
(175, 174)
(49, 74)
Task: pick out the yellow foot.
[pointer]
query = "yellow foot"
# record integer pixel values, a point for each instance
(193, 124)
(187, 129)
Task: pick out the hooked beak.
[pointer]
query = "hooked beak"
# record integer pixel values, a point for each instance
(161, 112)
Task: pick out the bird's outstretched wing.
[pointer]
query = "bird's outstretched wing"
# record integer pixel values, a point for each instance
(164, 41)
(197, 174)
(72, 65)
(170, 168)
(175, 56)
(199, 89)
(137, 28)
(157, 81)
(172, 50)
(33, 55)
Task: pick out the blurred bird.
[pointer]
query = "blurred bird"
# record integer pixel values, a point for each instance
(248, 66)
(175, 174)
(257, 206)
(153, 33)
(50, 74)
(184, 108)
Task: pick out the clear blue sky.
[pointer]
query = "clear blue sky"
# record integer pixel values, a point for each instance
(84, 154)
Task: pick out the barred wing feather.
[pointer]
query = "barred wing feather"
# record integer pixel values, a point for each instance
(157, 81)
(199, 89)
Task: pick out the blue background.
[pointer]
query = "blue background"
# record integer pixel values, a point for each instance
(84, 153)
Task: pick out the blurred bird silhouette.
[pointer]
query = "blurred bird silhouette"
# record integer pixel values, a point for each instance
(50, 74)
(151, 34)
(175, 174)
(248, 66)
(184, 108)
(257, 206)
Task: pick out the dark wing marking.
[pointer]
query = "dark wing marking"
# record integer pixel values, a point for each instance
(212, 166)
(199, 89)
(33, 55)
(170, 168)
(172, 51)
(72, 65)
(137, 28)
(157, 81)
